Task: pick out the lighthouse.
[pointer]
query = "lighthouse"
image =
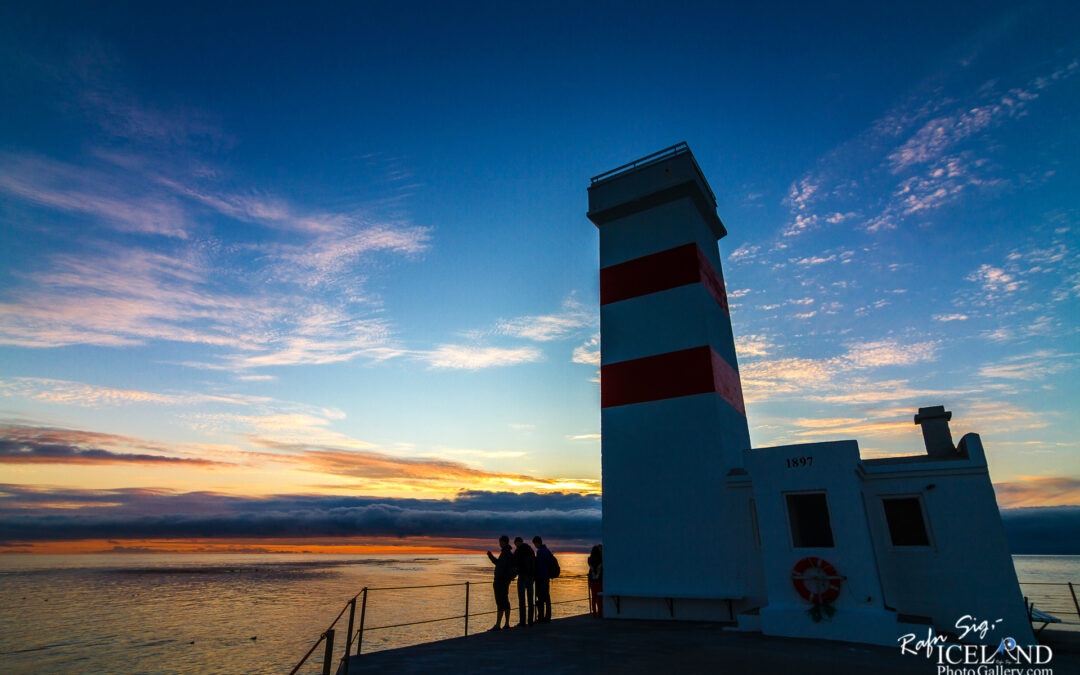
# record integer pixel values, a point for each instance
(677, 541)
(809, 540)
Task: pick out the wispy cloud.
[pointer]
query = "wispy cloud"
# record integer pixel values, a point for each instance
(1038, 491)
(924, 153)
(546, 327)
(470, 357)
(287, 292)
(765, 379)
(125, 296)
(1036, 365)
(82, 394)
(889, 353)
(42, 445)
(584, 437)
(89, 192)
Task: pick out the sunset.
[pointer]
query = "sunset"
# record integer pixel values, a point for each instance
(311, 279)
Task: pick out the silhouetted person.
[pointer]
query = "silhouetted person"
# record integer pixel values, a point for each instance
(504, 574)
(544, 560)
(596, 580)
(525, 560)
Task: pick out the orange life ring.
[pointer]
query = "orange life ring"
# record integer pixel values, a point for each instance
(816, 580)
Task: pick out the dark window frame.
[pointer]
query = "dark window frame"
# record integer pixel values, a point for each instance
(925, 541)
(798, 541)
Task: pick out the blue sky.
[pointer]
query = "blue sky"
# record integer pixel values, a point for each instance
(342, 250)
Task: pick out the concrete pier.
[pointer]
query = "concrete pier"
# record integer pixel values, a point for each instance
(583, 644)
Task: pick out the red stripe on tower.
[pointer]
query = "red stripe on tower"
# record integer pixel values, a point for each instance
(698, 370)
(679, 266)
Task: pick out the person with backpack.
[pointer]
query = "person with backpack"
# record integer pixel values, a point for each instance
(525, 560)
(547, 568)
(504, 574)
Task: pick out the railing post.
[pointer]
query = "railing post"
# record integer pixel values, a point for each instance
(349, 635)
(1075, 603)
(360, 633)
(466, 608)
(328, 656)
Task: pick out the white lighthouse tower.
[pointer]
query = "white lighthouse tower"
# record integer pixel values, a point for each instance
(676, 542)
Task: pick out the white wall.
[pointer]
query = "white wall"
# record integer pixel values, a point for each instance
(860, 611)
(967, 569)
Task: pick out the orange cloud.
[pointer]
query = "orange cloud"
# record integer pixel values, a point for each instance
(1039, 491)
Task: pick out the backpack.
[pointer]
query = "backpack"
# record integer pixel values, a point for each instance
(553, 568)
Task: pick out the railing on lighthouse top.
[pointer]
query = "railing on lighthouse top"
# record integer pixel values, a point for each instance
(682, 148)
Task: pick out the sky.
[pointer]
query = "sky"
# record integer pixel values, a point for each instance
(291, 276)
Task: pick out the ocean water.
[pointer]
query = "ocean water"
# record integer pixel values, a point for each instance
(196, 613)
(206, 613)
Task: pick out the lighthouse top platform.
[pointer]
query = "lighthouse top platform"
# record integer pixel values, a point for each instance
(650, 181)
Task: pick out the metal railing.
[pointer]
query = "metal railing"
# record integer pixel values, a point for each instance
(658, 156)
(1045, 595)
(1051, 597)
(356, 633)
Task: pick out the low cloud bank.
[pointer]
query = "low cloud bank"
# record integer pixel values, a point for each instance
(29, 514)
(1049, 530)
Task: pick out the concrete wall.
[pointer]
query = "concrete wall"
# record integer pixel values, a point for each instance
(860, 615)
(967, 568)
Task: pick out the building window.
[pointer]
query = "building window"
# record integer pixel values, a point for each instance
(906, 524)
(808, 513)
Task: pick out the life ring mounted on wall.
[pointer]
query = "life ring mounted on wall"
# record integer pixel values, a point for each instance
(816, 580)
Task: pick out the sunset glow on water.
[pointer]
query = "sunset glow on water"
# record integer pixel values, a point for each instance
(196, 613)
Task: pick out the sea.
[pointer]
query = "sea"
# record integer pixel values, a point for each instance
(260, 613)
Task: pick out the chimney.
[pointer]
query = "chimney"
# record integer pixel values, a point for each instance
(935, 430)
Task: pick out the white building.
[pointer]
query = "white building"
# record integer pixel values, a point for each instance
(802, 540)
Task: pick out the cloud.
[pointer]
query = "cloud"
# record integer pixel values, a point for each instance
(889, 353)
(469, 357)
(1029, 491)
(324, 259)
(78, 393)
(819, 379)
(1037, 365)
(584, 437)
(36, 514)
(1039, 530)
(125, 515)
(753, 346)
(923, 154)
(944, 318)
(588, 353)
(547, 327)
(41, 445)
(744, 253)
(802, 193)
(186, 273)
(128, 296)
(84, 191)
(994, 280)
(814, 260)
(801, 224)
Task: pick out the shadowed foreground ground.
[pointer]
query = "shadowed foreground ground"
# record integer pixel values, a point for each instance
(582, 644)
